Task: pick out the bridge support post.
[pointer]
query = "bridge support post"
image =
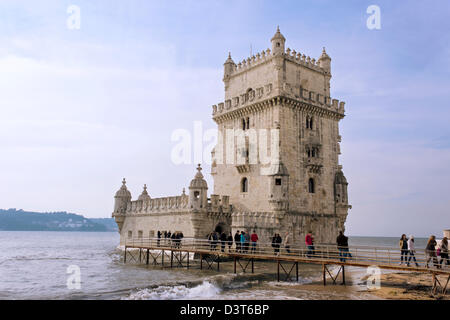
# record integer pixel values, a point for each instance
(253, 268)
(278, 270)
(201, 261)
(324, 275)
(218, 263)
(235, 264)
(162, 259)
(125, 255)
(187, 259)
(171, 258)
(148, 250)
(343, 275)
(296, 270)
(140, 255)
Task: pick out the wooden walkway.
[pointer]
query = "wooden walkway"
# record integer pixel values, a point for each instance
(209, 255)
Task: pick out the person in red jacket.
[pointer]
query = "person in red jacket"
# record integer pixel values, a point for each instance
(254, 240)
(309, 240)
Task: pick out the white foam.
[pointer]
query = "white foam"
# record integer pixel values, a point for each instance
(206, 290)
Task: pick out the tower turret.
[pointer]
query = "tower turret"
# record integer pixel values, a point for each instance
(278, 43)
(228, 67)
(340, 188)
(325, 61)
(279, 187)
(122, 197)
(144, 195)
(198, 189)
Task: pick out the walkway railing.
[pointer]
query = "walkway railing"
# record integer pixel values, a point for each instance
(383, 257)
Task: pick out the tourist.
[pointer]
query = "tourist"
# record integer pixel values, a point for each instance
(309, 240)
(411, 251)
(173, 240)
(158, 242)
(274, 244)
(216, 238)
(230, 241)
(237, 241)
(180, 237)
(247, 241)
(403, 244)
(254, 240)
(223, 241)
(444, 251)
(278, 242)
(431, 251)
(211, 241)
(243, 242)
(287, 242)
(342, 244)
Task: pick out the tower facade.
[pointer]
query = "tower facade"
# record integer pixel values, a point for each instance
(278, 151)
(276, 164)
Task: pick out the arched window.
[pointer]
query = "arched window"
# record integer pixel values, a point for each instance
(248, 123)
(244, 185)
(243, 124)
(311, 185)
(311, 123)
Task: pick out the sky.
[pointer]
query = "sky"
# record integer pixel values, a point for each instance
(81, 108)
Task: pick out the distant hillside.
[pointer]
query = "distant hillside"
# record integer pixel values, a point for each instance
(19, 220)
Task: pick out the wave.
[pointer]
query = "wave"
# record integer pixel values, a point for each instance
(223, 286)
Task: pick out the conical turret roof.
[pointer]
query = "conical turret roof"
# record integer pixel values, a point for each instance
(144, 195)
(198, 181)
(123, 191)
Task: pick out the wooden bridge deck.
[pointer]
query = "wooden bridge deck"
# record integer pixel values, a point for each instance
(325, 255)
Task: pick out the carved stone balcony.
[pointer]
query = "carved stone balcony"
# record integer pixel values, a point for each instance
(314, 164)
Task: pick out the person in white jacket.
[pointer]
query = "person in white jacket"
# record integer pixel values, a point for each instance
(287, 242)
(411, 251)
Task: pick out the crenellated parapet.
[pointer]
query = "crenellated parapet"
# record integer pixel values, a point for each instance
(158, 205)
(259, 98)
(266, 56)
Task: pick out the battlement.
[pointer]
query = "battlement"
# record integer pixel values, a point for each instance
(158, 205)
(266, 56)
(216, 204)
(262, 93)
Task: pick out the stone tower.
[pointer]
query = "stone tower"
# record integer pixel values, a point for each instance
(278, 107)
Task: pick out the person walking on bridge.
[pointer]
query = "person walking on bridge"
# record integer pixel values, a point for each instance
(254, 240)
(230, 241)
(309, 240)
(411, 251)
(243, 248)
(342, 244)
(403, 244)
(431, 251)
(444, 252)
(237, 241)
(158, 242)
(287, 242)
(223, 241)
(247, 241)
